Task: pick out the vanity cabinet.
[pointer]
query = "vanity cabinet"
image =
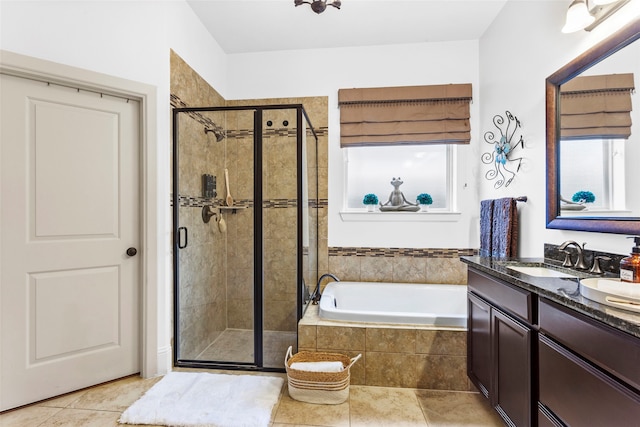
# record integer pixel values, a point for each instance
(588, 372)
(499, 345)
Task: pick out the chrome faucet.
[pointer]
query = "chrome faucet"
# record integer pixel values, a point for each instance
(580, 263)
(315, 296)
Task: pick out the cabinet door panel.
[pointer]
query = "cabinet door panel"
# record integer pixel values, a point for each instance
(512, 369)
(546, 419)
(479, 344)
(579, 394)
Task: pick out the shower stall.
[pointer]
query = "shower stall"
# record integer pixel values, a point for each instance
(245, 233)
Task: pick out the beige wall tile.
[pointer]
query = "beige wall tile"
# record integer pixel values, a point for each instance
(442, 372)
(346, 268)
(307, 336)
(240, 314)
(409, 270)
(391, 340)
(341, 338)
(453, 343)
(391, 369)
(376, 269)
(446, 271)
(280, 315)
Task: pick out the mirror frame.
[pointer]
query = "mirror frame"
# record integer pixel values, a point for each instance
(602, 50)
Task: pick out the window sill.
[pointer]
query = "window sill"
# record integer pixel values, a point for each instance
(378, 216)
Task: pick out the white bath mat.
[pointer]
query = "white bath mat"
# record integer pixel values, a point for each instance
(191, 399)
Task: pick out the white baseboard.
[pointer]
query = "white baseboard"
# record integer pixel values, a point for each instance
(164, 360)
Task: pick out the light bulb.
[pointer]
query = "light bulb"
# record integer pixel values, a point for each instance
(578, 17)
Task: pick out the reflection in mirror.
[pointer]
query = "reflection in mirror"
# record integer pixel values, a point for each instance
(592, 173)
(595, 128)
(593, 138)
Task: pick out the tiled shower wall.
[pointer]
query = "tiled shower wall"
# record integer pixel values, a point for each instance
(202, 273)
(227, 259)
(280, 208)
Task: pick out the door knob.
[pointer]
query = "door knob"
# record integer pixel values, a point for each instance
(132, 251)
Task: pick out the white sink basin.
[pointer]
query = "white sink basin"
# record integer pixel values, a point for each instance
(538, 271)
(612, 292)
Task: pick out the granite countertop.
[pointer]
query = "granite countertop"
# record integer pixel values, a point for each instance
(564, 291)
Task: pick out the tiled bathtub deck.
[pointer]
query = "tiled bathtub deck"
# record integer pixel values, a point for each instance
(392, 356)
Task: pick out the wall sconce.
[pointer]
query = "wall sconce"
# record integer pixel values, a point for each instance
(588, 14)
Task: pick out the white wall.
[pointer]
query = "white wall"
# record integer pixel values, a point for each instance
(321, 72)
(516, 56)
(129, 40)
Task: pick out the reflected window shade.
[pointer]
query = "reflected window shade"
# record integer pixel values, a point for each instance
(596, 107)
(411, 115)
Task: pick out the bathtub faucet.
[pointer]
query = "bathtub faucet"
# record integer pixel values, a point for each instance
(315, 296)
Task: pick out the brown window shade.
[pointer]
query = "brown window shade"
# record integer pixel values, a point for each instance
(411, 115)
(596, 107)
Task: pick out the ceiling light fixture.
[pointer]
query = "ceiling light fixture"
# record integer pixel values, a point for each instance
(319, 6)
(587, 14)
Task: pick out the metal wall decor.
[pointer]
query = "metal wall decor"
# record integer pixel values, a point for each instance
(501, 157)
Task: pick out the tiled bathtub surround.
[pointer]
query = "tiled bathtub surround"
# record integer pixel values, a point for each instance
(408, 356)
(398, 265)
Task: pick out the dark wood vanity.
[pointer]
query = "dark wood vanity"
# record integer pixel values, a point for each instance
(499, 346)
(545, 356)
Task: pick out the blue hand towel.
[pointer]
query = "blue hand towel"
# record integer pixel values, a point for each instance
(486, 225)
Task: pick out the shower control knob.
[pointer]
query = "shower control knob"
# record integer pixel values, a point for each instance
(132, 251)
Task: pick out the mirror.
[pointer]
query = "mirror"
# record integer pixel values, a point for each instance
(620, 213)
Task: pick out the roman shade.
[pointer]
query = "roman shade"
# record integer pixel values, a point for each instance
(437, 114)
(596, 107)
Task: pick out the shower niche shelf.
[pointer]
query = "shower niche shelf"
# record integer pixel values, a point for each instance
(232, 209)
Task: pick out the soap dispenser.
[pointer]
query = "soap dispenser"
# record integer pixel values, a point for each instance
(630, 266)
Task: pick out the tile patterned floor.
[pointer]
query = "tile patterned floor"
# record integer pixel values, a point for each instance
(101, 406)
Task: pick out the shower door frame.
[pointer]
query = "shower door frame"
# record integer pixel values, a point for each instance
(258, 253)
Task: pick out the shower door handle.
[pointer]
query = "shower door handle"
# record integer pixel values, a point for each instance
(186, 237)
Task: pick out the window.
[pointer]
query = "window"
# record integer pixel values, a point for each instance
(422, 168)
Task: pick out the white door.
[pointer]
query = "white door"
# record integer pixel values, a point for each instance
(69, 210)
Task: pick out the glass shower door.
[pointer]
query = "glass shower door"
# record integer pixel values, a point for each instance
(280, 233)
(214, 251)
(245, 233)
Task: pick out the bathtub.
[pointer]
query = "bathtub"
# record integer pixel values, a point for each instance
(396, 303)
